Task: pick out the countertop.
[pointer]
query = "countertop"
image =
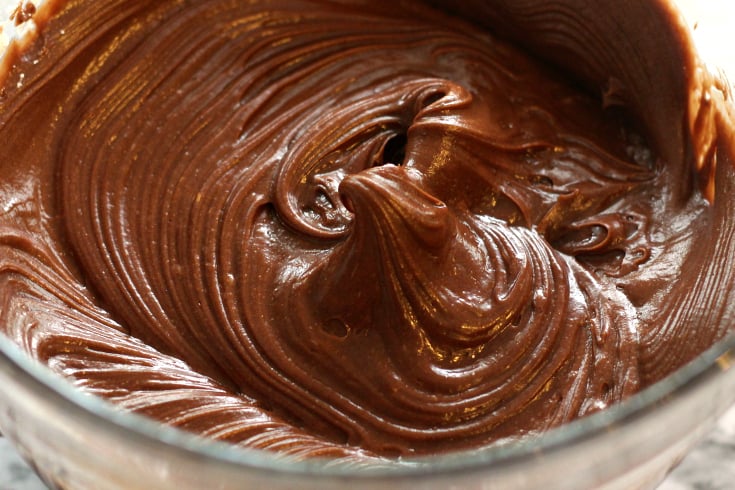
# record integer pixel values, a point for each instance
(710, 466)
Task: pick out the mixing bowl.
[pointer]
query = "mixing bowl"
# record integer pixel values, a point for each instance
(76, 441)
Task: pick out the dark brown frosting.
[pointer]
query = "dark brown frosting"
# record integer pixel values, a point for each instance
(356, 229)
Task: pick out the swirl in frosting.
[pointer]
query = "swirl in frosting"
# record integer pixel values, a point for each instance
(330, 228)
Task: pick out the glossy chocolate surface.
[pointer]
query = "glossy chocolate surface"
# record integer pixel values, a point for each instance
(346, 230)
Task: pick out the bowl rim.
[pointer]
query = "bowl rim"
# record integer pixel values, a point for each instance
(40, 381)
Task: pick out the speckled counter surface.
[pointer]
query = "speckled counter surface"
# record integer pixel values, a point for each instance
(15, 474)
(710, 466)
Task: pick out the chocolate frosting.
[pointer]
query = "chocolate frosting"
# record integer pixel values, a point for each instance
(339, 229)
